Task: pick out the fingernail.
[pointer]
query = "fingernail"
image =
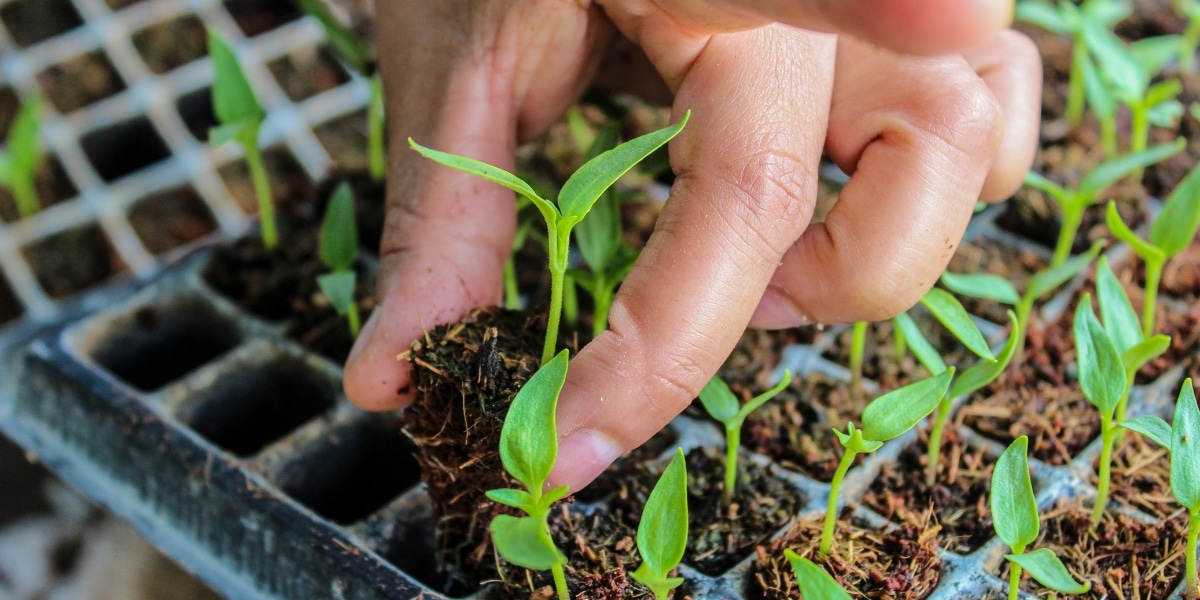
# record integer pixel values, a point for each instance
(777, 311)
(582, 455)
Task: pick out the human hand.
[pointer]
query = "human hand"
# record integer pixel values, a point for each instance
(923, 139)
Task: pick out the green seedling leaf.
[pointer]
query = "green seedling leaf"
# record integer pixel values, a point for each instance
(233, 98)
(524, 541)
(1037, 181)
(662, 533)
(1120, 321)
(1047, 281)
(978, 376)
(719, 400)
(982, 285)
(1044, 566)
(1176, 226)
(1122, 232)
(339, 288)
(1101, 373)
(519, 499)
(813, 581)
(1144, 352)
(339, 235)
(1120, 68)
(892, 414)
(1112, 170)
(954, 317)
(343, 41)
(22, 146)
(1107, 12)
(528, 440)
(1098, 94)
(599, 235)
(853, 440)
(243, 131)
(1154, 428)
(493, 174)
(584, 186)
(1162, 92)
(1152, 54)
(1185, 459)
(1045, 16)
(1014, 508)
(762, 398)
(920, 346)
(1165, 114)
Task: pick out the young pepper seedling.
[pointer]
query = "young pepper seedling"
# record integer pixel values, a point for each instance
(722, 405)
(21, 156)
(813, 581)
(662, 532)
(338, 249)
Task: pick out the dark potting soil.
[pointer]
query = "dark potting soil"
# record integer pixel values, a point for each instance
(167, 220)
(899, 563)
(630, 463)
(958, 500)
(73, 260)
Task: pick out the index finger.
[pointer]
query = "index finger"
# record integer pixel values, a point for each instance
(746, 184)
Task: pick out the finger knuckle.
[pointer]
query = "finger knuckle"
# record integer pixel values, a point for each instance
(964, 115)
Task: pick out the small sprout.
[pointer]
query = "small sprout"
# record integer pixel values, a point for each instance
(338, 249)
(887, 417)
(1102, 379)
(1185, 474)
(858, 348)
(722, 405)
(813, 581)
(1190, 39)
(578, 195)
(241, 116)
(1073, 202)
(528, 449)
(662, 532)
(1015, 518)
(21, 156)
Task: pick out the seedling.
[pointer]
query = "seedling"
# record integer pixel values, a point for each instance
(1190, 39)
(858, 347)
(998, 289)
(974, 378)
(21, 156)
(528, 449)
(578, 195)
(662, 532)
(338, 249)
(1015, 518)
(1170, 234)
(813, 581)
(241, 117)
(1074, 202)
(887, 417)
(351, 50)
(722, 405)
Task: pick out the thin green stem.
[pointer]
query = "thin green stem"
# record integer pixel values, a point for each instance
(935, 440)
(831, 509)
(1154, 269)
(262, 190)
(352, 316)
(1075, 88)
(570, 302)
(560, 582)
(558, 273)
(376, 159)
(858, 345)
(1072, 217)
(1108, 136)
(1107, 438)
(1191, 39)
(603, 301)
(1139, 132)
(899, 344)
(1024, 311)
(1123, 406)
(1193, 585)
(1014, 580)
(512, 295)
(25, 195)
(733, 439)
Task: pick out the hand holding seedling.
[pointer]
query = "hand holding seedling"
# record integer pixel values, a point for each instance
(734, 244)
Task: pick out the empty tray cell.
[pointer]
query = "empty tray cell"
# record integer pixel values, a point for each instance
(288, 180)
(31, 21)
(345, 138)
(257, 404)
(80, 81)
(73, 260)
(10, 307)
(170, 219)
(52, 185)
(123, 148)
(196, 110)
(260, 16)
(171, 44)
(157, 344)
(306, 72)
(353, 471)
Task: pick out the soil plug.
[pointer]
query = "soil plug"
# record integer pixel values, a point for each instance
(578, 195)
(241, 117)
(528, 449)
(1073, 202)
(1102, 379)
(887, 417)
(813, 581)
(1015, 518)
(662, 532)
(21, 156)
(722, 405)
(338, 249)
(1171, 233)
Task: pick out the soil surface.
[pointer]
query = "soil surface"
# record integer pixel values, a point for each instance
(1141, 477)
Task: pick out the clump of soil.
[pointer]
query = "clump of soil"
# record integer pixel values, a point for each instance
(958, 500)
(465, 376)
(898, 563)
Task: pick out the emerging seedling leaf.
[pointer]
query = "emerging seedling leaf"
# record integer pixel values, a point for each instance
(1101, 373)
(722, 405)
(338, 248)
(21, 156)
(662, 533)
(813, 581)
(1014, 508)
(1154, 428)
(1049, 571)
(954, 317)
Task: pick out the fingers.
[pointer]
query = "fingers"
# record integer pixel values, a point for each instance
(745, 189)
(918, 136)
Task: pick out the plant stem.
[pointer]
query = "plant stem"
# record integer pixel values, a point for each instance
(899, 344)
(262, 190)
(603, 303)
(858, 344)
(935, 440)
(1108, 136)
(512, 295)
(25, 195)
(1014, 575)
(1107, 437)
(1154, 269)
(733, 439)
(352, 316)
(1193, 586)
(1191, 39)
(375, 151)
(570, 302)
(1139, 132)
(1024, 311)
(1123, 406)
(831, 509)
(1075, 87)
(560, 582)
(558, 275)
(1072, 216)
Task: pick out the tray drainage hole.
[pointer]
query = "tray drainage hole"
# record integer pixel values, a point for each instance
(248, 409)
(156, 345)
(80, 81)
(121, 149)
(170, 219)
(352, 472)
(196, 110)
(171, 44)
(31, 21)
(73, 260)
